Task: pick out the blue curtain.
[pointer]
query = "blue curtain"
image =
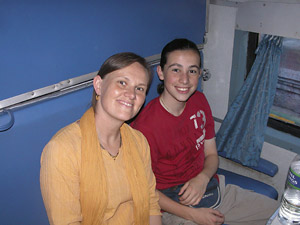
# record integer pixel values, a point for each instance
(241, 134)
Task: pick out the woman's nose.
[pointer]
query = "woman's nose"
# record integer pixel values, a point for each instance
(130, 92)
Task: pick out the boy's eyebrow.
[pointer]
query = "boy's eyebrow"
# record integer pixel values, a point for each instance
(175, 64)
(179, 65)
(195, 66)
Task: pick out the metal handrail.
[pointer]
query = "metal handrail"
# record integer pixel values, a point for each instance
(60, 88)
(10, 122)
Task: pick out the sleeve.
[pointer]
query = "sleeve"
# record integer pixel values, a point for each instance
(151, 141)
(59, 180)
(210, 124)
(154, 206)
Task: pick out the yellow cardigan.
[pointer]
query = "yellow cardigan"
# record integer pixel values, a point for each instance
(61, 181)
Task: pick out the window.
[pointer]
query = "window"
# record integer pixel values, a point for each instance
(282, 131)
(285, 112)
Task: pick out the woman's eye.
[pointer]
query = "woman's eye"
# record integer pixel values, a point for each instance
(122, 82)
(141, 89)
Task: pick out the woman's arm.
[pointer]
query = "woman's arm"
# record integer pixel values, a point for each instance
(59, 180)
(155, 214)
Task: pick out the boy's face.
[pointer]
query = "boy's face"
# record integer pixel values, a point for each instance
(181, 75)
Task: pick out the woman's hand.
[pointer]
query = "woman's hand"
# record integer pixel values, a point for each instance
(155, 220)
(193, 190)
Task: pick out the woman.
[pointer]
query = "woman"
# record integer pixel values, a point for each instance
(97, 170)
(180, 130)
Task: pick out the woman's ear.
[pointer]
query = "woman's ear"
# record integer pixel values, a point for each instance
(160, 73)
(97, 84)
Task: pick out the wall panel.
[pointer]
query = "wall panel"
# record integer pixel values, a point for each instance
(45, 42)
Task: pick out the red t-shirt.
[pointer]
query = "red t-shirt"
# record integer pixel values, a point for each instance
(176, 143)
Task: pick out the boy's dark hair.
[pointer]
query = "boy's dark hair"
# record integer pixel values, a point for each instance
(176, 44)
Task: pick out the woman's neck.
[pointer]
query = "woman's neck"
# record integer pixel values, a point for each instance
(109, 135)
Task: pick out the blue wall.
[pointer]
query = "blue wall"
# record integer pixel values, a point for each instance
(43, 43)
(49, 42)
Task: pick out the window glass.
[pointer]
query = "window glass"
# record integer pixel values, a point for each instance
(285, 112)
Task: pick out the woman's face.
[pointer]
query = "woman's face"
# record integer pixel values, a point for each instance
(181, 75)
(122, 92)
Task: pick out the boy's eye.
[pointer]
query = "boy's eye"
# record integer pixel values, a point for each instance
(175, 70)
(193, 71)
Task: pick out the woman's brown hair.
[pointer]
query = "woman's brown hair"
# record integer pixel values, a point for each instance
(117, 62)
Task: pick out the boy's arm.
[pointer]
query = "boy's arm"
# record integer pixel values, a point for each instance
(211, 162)
(193, 190)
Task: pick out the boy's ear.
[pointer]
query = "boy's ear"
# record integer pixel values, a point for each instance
(160, 73)
(97, 81)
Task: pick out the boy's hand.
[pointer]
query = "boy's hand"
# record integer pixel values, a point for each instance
(207, 216)
(193, 190)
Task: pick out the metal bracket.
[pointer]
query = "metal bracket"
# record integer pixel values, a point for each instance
(206, 74)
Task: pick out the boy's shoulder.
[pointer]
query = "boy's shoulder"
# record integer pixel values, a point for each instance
(198, 95)
(147, 114)
(150, 108)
